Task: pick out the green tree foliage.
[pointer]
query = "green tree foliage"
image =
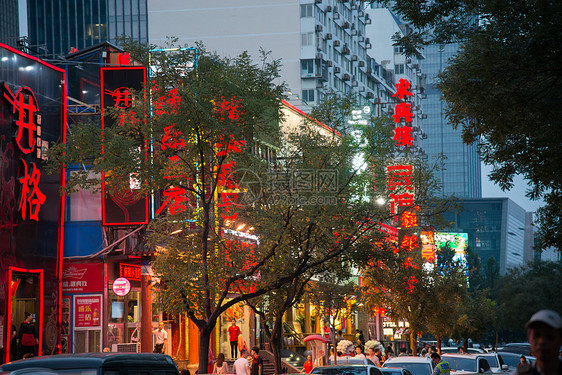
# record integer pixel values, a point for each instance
(525, 290)
(503, 88)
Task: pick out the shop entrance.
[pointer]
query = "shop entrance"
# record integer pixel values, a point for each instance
(25, 295)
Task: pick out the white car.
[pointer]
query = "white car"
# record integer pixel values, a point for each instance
(416, 365)
(467, 364)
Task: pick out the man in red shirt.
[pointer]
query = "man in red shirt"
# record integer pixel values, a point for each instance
(234, 332)
(308, 365)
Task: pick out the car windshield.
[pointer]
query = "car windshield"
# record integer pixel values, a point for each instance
(81, 371)
(340, 370)
(466, 364)
(414, 368)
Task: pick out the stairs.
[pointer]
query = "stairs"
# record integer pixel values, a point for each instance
(268, 366)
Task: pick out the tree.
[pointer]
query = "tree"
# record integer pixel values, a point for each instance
(503, 88)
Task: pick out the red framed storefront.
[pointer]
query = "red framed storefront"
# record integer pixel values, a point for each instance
(32, 116)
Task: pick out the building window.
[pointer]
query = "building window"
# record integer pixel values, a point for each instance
(307, 67)
(307, 39)
(307, 10)
(308, 95)
(399, 69)
(398, 49)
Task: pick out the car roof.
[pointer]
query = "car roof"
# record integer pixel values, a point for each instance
(409, 358)
(393, 369)
(89, 360)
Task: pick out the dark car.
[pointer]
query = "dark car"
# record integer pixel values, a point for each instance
(347, 370)
(517, 347)
(513, 359)
(454, 349)
(395, 371)
(100, 364)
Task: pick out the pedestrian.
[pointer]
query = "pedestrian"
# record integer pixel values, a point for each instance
(161, 339)
(373, 356)
(359, 352)
(523, 366)
(388, 353)
(241, 365)
(233, 332)
(403, 352)
(544, 332)
(460, 350)
(338, 338)
(221, 366)
(441, 367)
(257, 362)
(307, 365)
(27, 335)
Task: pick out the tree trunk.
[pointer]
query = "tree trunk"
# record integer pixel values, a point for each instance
(204, 342)
(276, 341)
(413, 341)
(438, 338)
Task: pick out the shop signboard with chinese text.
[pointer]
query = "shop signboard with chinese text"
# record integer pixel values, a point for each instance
(32, 116)
(87, 310)
(82, 278)
(127, 207)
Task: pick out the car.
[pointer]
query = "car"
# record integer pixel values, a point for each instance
(394, 371)
(99, 364)
(348, 360)
(495, 361)
(517, 347)
(30, 371)
(513, 359)
(463, 363)
(347, 370)
(453, 349)
(415, 365)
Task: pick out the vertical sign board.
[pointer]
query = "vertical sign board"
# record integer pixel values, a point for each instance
(127, 207)
(32, 116)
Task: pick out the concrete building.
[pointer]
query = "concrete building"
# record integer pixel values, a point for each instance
(322, 44)
(9, 27)
(496, 228)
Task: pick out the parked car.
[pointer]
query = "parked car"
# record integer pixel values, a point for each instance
(513, 359)
(467, 363)
(452, 349)
(99, 364)
(517, 347)
(495, 362)
(347, 370)
(347, 360)
(416, 365)
(30, 371)
(395, 371)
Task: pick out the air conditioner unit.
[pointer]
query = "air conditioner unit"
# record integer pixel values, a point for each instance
(328, 36)
(329, 8)
(129, 347)
(330, 63)
(361, 13)
(361, 63)
(346, 77)
(336, 16)
(361, 39)
(345, 25)
(337, 69)
(368, 46)
(318, 28)
(355, 84)
(367, 21)
(353, 57)
(337, 43)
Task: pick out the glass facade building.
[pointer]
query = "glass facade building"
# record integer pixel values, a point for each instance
(461, 174)
(495, 227)
(59, 25)
(9, 27)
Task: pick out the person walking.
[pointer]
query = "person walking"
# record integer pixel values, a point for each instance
(307, 367)
(544, 332)
(161, 339)
(221, 366)
(441, 367)
(359, 352)
(233, 332)
(257, 362)
(241, 365)
(27, 335)
(373, 356)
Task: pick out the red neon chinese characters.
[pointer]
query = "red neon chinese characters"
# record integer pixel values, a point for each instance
(30, 194)
(175, 200)
(399, 175)
(403, 110)
(231, 146)
(122, 97)
(26, 116)
(172, 138)
(403, 136)
(400, 200)
(409, 242)
(409, 219)
(411, 284)
(402, 88)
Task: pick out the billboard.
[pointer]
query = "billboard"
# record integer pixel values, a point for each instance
(455, 241)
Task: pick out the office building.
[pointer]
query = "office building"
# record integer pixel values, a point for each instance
(496, 228)
(58, 27)
(9, 27)
(461, 173)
